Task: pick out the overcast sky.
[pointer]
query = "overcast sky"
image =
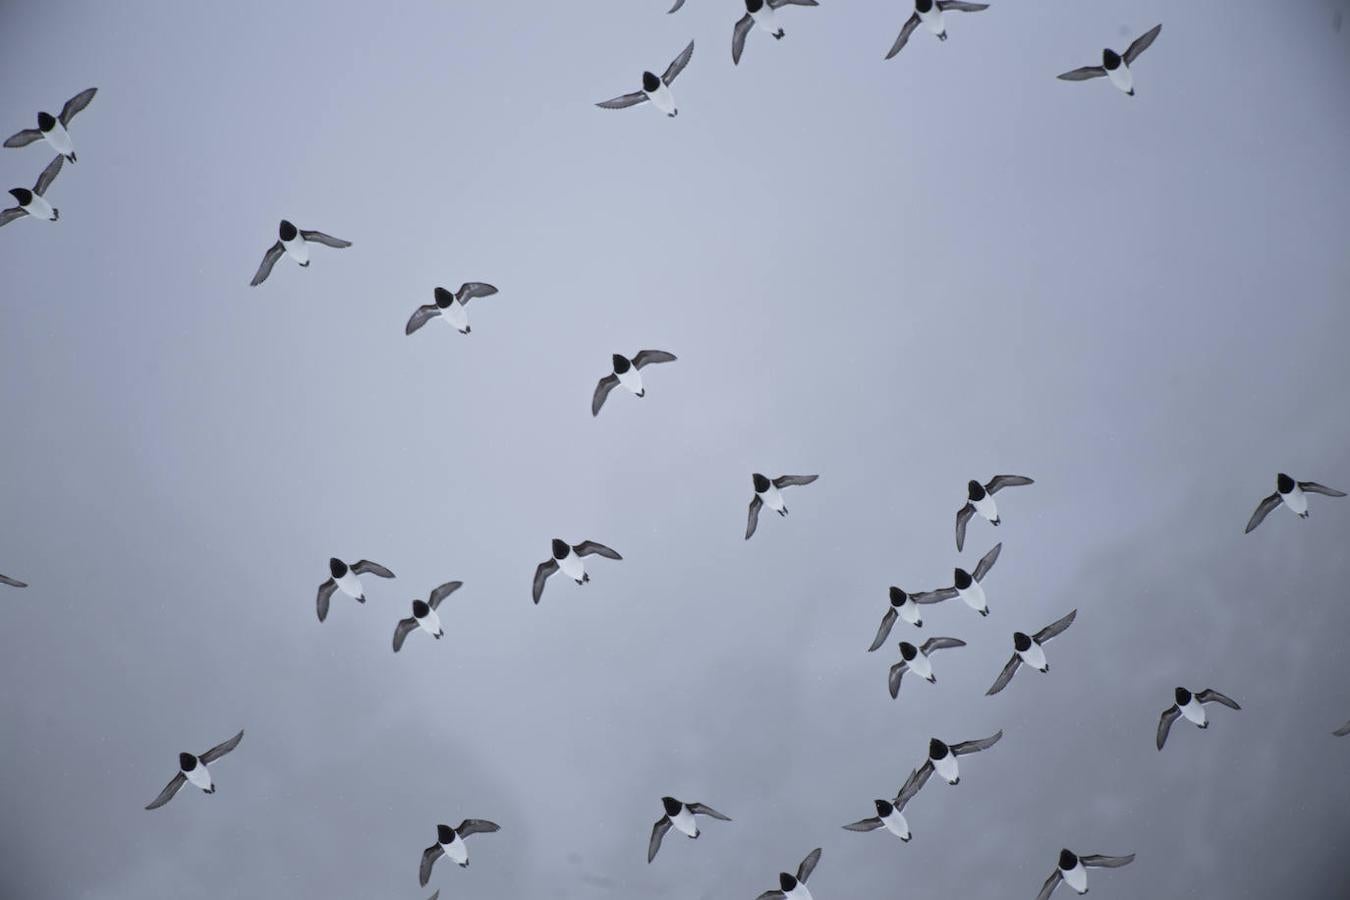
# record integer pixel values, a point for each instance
(899, 275)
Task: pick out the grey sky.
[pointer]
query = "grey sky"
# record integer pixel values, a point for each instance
(900, 275)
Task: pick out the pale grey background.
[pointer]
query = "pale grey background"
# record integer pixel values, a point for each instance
(899, 275)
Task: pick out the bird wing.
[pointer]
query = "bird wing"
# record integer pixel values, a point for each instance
(940, 643)
(220, 750)
(702, 809)
(912, 784)
(471, 289)
(999, 482)
(960, 6)
(1209, 696)
(404, 628)
(871, 824)
(48, 175)
(771, 895)
(897, 673)
(1055, 628)
(9, 215)
(1165, 723)
(602, 389)
(365, 566)
(595, 548)
(658, 832)
(1313, 487)
(1083, 73)
(987, 562)
(268, 261)
(1141, 43)
(753, 522)
(1050, 884)
(905, 31)
(1009, 670)
(1098, 861)
(546, 568)
(967, 747)
(169, 790)
(318, 237)
(476, 826)
(677, 64)
(647, 357)
(779, 4)
(75, 104)
(325, 592)
(937, 596)
(1262, 511)
(12, 582)
(808, 865)
(442, 592)
(676, 7)
(1343, 730)
(737, 48)
(429, 857)
(23, 138)
(624, 101)
(962, 517)
(884, 629)
(783, 481)
(421, 316)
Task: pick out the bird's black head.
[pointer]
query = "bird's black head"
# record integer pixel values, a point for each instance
(761, 483)
(923, 6)
(445, 834)
(336, 567)
(1021, 641)
(898, 597)
(937, 749)
(908, 650)
(288, 231)
(961, 578)
(560, 549)
(621, 363)
(22, 195)
(187, 762)
(1284, 483)
(884, 807)
(785, 881)
(420, 609)
(671, 806)
(1067, 859)
(974, 490)
(1182, 696)
(443, 298)
(46, 121)
(1111, 60)
(650, 82)
(755, 6)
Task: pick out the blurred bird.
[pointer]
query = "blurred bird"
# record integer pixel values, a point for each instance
(1293, 494)
(680, 815)
(194, 769)
(655, 89)
(1116, 66)
(1192, 707)
(293, 242)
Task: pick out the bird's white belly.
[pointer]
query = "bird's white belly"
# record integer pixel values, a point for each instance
(40, 208)
(947, 768)
(799, 892)
(685, 824)
(456, 316)
(1034, 657)
(572, 566)
(60, 141)
(297, 250)
(200, 777)
(1296, 500)
(895, 823)
(663, 99)
(773, 499)
(431, 624)
(766, 19)
(1076, 878)
(1121, 77)
(632, 380)
(1195, 712)
(920, 666)
(910, 613)
(458, 852)
(350, 585)
(973, 597)
(986, 507)
(933, 20)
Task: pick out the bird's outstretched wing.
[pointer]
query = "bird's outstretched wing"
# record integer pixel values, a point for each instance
(1313, 487)
(624, 101)
(884, 629)
(366, 567)
(658, 832)
(545, 569)
(75, 104)
(1165, 723)
(443, 591)
(986, 563)
(962, 517)
(404, 628)
(927, 597)
(169, 790)
(910, 24)
(1083, 73)
(9, 215)
(647, 357)
(220, 750)
(421, 316)
(912, 784)
(940, 643)
(471, 289)
(1262, 511)
(268, 261)
(999, 482)
(23, 138)
(677, 64)
(595, 548)
(871, 824)
(1098, 861)
(809, 864)
(967, 747)
(1050, 884)
(771, 895)
(1141, 43)
(753, 522)
(325, 593)
(743, 27)
(783, 481)
(48, 175)
(318, 237)
(779, 4)
(429, 857)
(12, 582)
(1055, 628)
(897, 673)
(919, 777)
(1009, 670)
(602, 389)
(960, 6)
(476, 826)
(1209, 696)
(1343, 730)
(676, 7)
(702, 809)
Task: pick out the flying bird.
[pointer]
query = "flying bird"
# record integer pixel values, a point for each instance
(793, 887)
(1293, 494)
(32, 203)
(903, 605)
(1027, 649)
(569, 559)
(1072, 870)
(627, 373)
(931, 14)
(450, 842)
(1192, 707)
(915, 659)
(343, 578)
(294, 243)
(52, 129)
(980, 499)
(1343, 730)
(12, 582)
(770, 491)
(451, 306)
(890, 813)
(1116, 66)
(765, 15)
(424, 615)
(966, 585)
(194, 769)
(680, 815)
(942, 757)
(655, 89)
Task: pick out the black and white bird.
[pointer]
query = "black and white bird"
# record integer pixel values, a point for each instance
(1293, 494)
(627, 372)
(681, 816)
(966, 585)
(451, 307)
(1027, 648)
(915, 659)
(1072, 870)
(343, 577)
(193, 768)
(1192, 706)
(12, 582)
(763, 13)
(293, 242)
(793, 887)
(424, 615)
(32, 203)
(450, 843)
(931, 14)
(1342, 731)
(568, 557)
(52, 129)
(904, 606)
(655, 89)
(769, 491)
(891, 813)
(980, 499)
(942, 757)
(1116, 66)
